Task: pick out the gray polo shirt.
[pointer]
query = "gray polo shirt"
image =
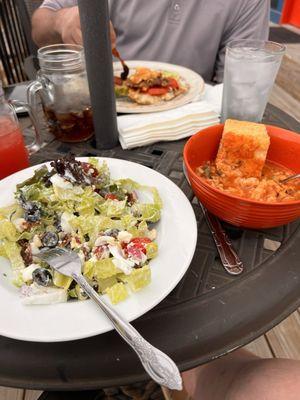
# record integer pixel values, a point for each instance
(193, 33)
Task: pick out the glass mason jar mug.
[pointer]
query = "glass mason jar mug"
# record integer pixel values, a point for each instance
(62, 86)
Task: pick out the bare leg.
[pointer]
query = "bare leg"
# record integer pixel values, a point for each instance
(244, 376)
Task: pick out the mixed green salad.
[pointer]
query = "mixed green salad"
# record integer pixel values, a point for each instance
(77, 205)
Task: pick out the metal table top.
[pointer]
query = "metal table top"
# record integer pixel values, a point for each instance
(208, 314)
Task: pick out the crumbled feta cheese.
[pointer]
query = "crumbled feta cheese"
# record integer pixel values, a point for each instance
(34, 249)
(20, 224)
(75, 243)
(104, 240)
(60, 182)
(64, 222)
(124, 236)
(123, 265)
(37, 241)
(35, 245)
(61, 235)
(119, 261)
(139, 260)
(35, 294)
(81, 256)
(116, 251)
(85, 246)
(27, 272)
(101, 252)
(68, 175)
(152, 234)
(78, 190)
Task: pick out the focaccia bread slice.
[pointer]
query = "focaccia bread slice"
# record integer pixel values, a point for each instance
(243, 149)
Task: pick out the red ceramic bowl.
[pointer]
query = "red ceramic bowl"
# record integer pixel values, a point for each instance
(284, 150)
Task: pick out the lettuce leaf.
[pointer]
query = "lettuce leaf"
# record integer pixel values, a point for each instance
(74, 193)
(143, 211)
(11, 212)
(106, 283)
(138, 278)
(121, 90)
(147, 212)
(103, 170)
(2, 249)
(61, 280)
(100, 269)
(117, 293)
(129, 185)
(113, 208)
(11, 251)
(88, 202)
(8, 230)
(38, 176)
(128, 221)
(171, 74)
(93, 225)
(151, 250)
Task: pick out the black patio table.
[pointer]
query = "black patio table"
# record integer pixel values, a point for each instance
(207, 315)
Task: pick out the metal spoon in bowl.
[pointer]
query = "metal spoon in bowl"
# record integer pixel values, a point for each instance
(289, 178)
(229, 258)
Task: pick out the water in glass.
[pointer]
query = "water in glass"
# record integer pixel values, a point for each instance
(250, 71)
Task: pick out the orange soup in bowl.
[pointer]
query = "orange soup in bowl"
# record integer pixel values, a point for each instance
(267, 188)
(250, 158)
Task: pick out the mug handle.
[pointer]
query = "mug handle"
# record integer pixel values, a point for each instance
(32, 90)
(36, 144)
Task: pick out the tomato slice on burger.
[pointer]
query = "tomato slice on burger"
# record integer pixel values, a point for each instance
(173, 83)
(157, 91)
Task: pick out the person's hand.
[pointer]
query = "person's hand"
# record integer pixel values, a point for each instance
(68, 26)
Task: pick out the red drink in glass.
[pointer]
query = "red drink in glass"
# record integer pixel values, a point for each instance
(13, 153)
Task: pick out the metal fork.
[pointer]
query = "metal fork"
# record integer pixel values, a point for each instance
(158, 365)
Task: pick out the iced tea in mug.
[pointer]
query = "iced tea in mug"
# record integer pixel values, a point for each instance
(13, 153)
(62, 87)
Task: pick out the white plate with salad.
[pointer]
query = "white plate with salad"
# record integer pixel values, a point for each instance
(134, 230)
(191, 83)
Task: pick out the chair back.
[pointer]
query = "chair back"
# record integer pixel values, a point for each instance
(16, 43)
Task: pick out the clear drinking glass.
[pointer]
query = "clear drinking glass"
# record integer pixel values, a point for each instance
(251, 67)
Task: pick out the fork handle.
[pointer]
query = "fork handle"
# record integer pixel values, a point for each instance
(158, 365)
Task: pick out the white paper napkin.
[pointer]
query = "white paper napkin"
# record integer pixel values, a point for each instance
(143, 129)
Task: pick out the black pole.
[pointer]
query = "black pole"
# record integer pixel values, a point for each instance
(94, 18)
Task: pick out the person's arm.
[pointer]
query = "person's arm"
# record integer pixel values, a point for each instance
(250, 22)
(49, 26)
(61, 26)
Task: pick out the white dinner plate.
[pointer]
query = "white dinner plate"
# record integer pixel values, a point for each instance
(177, 237)
(193, 80)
